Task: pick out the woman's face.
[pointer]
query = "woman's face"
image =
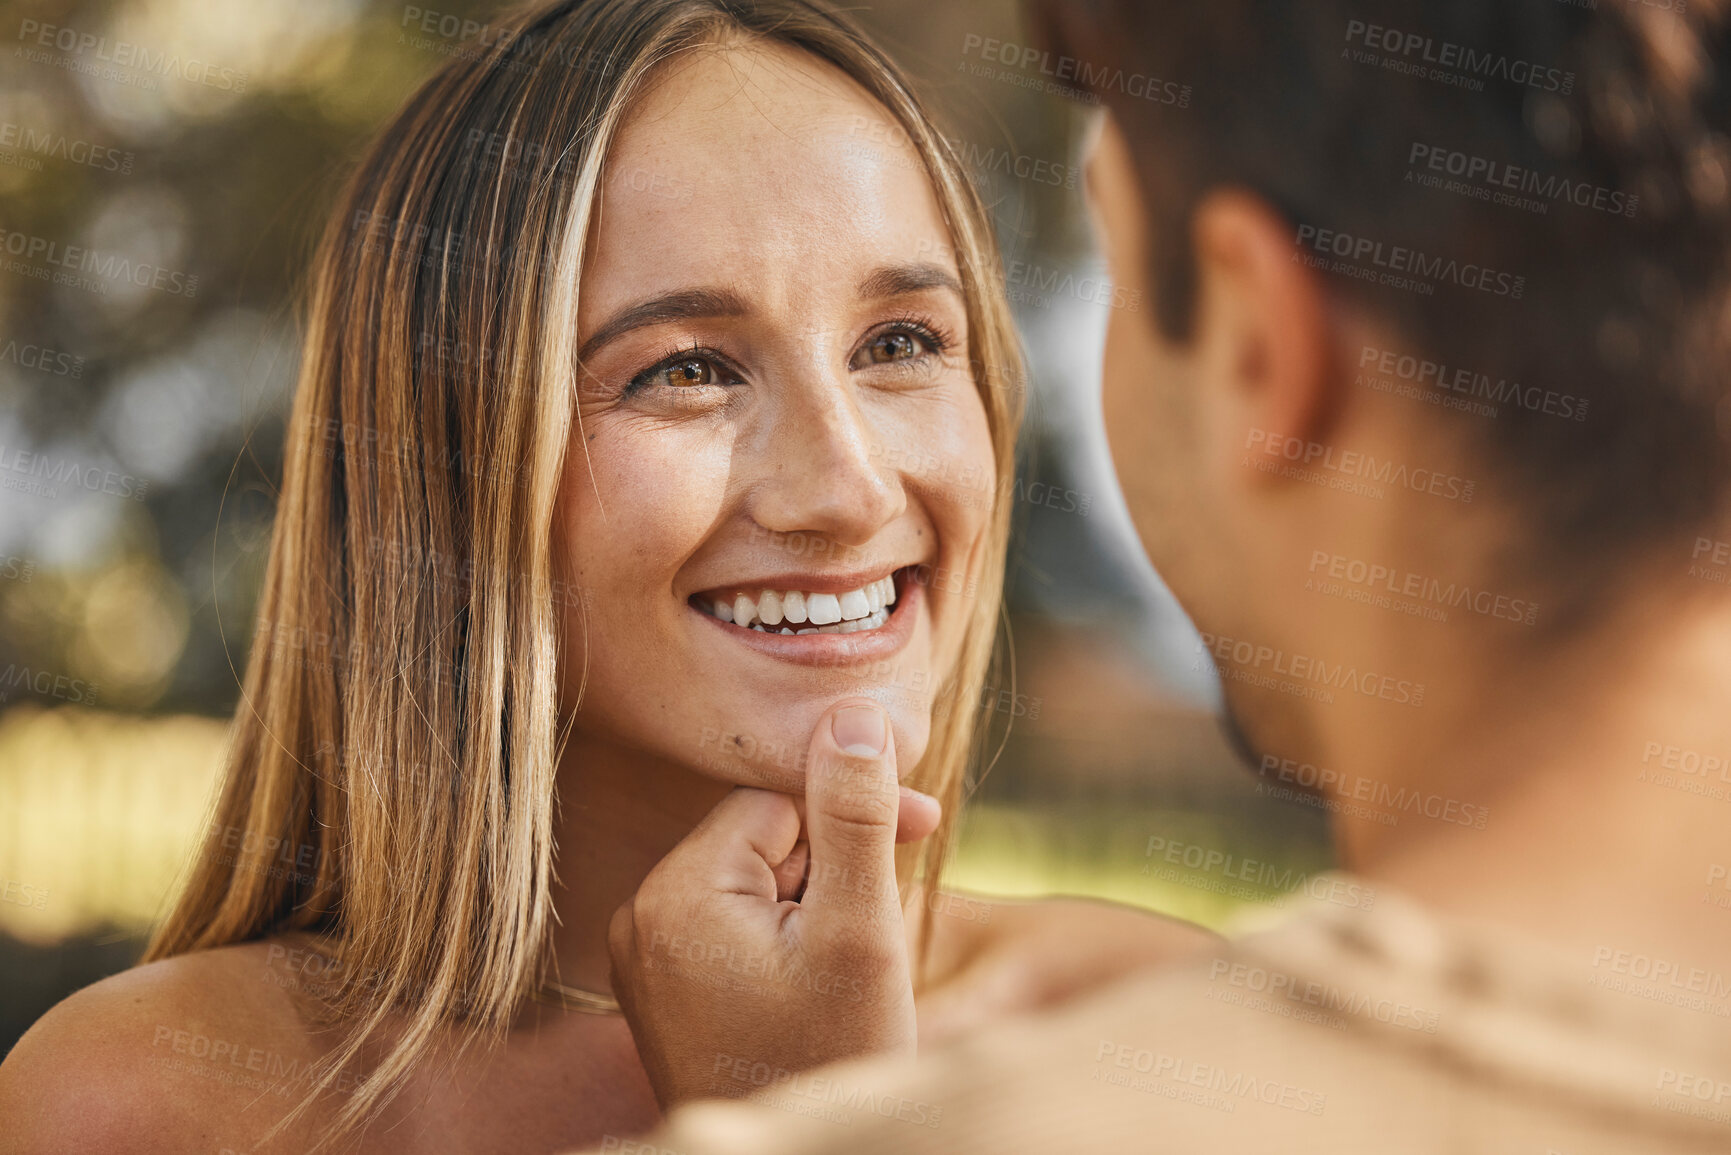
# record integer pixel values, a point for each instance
(781, 478)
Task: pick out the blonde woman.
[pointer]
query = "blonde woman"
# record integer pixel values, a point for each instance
(649, 409)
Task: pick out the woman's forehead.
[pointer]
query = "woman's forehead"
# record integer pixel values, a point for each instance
(748, 85)
(758, 158)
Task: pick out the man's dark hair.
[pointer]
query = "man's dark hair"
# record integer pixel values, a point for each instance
(1587, 153)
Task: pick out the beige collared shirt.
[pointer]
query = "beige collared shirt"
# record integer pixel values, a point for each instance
(1358, 1023)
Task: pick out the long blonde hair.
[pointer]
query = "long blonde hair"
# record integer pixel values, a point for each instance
(390, 781)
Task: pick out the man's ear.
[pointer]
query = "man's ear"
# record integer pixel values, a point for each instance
(1266, 317)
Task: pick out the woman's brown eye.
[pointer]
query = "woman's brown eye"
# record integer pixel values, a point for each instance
(693, 371)
(894, 347)
(679, 373)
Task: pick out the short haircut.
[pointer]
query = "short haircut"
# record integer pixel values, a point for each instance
(1561, 171)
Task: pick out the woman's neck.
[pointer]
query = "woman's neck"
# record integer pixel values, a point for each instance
(620, 812)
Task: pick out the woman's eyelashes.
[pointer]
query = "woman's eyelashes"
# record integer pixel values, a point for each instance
(904, 344)
(690, 369)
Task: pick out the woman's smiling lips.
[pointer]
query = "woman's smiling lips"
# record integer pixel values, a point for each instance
(815, 619)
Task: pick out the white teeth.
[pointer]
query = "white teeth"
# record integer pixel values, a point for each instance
(865, 608)
(871, 622)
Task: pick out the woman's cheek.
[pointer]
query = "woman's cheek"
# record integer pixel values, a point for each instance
(942, 442)
(640, 503)
(952, 467)
(655, 496)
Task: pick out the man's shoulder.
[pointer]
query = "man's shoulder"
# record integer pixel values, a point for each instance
(1158, 1052)
(1343, 1026)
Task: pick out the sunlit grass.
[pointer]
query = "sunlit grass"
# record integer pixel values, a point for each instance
(1103, 852)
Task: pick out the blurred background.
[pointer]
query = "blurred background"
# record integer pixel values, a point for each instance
(164, 167)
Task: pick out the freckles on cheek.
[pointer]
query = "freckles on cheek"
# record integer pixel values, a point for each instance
(949, 453)
(646, 498)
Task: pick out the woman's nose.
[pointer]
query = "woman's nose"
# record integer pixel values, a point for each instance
(822, 469)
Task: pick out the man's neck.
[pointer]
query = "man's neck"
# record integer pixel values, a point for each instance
(1606, 793)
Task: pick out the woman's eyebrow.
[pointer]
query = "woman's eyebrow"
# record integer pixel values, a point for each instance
(688, 304)
(681, 305)
(900, 280)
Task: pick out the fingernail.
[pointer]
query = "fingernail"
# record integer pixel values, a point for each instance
(859, 730)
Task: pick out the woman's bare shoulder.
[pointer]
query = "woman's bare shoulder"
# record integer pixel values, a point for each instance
(992, 956)
(169, 1056)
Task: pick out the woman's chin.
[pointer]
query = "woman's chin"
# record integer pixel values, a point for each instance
(772, 751)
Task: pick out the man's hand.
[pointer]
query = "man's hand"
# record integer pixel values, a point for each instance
(749, 953)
